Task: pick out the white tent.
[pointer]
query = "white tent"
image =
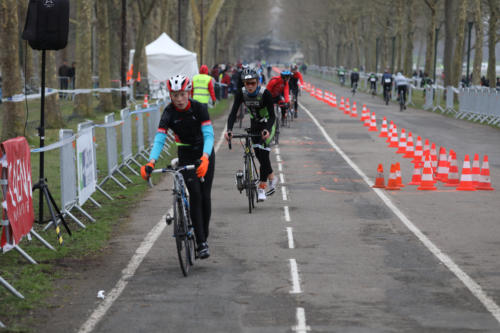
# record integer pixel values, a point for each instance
(166, 58)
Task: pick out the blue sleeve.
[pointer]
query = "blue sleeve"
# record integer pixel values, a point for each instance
(157, 145)
(208, 138)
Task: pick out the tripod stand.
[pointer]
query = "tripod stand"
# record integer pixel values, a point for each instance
(42, 185)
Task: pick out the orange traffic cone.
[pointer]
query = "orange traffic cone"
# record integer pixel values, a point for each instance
(138, 76)
(419, 153)
(380, 180)
(391, 129)
(484, 178)
(399, 177)
(392, 183)
(145, 104)
(364, 113)
(453, 176)
(427, 147)
(475, 170)
(354, 113)
(434, 158)
(383, 129)
(342, 107)
(409, 147)
(427, 181)
(368, 121)
(319, 94)
(466, 183)
(394, 138)
(334, 102)
(402, 143)
(347, 106)
(416, 179)
(443, 168)
(373, 124)
(313, 91)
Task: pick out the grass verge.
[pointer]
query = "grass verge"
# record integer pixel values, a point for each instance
(36, 282)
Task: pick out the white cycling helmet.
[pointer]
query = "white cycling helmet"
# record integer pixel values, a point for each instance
(179, 83)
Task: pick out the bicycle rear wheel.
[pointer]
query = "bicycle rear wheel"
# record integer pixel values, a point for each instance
(181, 240)
(249, 183)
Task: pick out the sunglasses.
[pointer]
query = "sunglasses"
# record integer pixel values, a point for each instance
(250, 83)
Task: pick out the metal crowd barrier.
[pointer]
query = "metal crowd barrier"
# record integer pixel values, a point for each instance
(481, 105)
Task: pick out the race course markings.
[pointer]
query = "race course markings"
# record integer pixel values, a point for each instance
(472, 285)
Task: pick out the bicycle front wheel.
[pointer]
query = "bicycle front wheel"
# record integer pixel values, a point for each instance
(249, 183)
(181, 239)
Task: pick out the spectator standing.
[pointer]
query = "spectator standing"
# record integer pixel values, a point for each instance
(71, 74)
(63, 77)
(203, 87)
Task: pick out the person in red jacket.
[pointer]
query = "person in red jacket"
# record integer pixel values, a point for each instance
(279, 89)
(294, 85)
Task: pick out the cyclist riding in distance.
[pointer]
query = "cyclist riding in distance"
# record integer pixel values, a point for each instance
(294, 85)
(280, 90)
(259, 102)
(387, 81)
(341, 74)
(354, 77)
(401, 83)
(194, 137)
(373, 82)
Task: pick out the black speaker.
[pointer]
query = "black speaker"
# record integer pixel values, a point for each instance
(47, 23)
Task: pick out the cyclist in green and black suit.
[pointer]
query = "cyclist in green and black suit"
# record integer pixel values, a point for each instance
(260, 104)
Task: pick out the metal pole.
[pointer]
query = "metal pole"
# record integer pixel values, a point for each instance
(435, 53)
(467, 80)
(41, 133)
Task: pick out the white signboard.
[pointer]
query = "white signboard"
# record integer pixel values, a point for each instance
(86, 170)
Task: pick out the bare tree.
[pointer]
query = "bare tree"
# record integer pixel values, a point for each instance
(408, 58)
(492, 40)
(12, 119)
(53, 114)
(145, 9)
(206, 26)
(459, 46)
(83, 73)
(431, 37)
(478, 46)
(449, 42)
(105, 101)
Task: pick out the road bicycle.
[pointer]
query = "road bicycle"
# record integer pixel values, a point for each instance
(248, 178)
(183, 229)
(373, 88)
(286, 116)
(387, 93)
(354, 87)
(292, 112)
(402, 100)
(342, 80)
(277, 113)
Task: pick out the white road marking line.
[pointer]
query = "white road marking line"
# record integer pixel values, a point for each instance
(283, 191)
(301, 322)
(127, 274)
(472, 285)
(282, 178)
(280, 167)
(277, 150)
(134, 263)
(287, 214)
(291, 243)
(295, 277)
(278, 158)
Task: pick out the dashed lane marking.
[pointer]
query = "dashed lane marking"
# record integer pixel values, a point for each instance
(301, 322)
(283, 191)
(291, 243)
(472, 285)
(294, 271)
(282, 178)
(287, 213)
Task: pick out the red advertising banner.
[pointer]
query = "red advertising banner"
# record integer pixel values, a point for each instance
(18, 200)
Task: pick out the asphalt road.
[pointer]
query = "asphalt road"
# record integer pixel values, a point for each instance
(327, 253)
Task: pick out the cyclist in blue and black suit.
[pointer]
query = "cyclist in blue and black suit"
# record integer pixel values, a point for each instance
(194, 137)
(260, 104)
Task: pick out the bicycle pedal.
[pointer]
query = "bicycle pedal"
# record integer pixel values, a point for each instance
(169, 220)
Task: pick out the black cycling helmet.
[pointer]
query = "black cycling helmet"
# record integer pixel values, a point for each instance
(286, 74)
(249, 74)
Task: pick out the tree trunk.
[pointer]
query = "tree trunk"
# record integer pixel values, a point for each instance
(354, 25)
(83, 75)
(408, 59)
(114, 35)
(492, 41)
(103, 27)
(431, 38)
(208, 22)
(53, 114)
(399, 36)
(459, 46)
(13, 112)
(449, 20)
(478, 46)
